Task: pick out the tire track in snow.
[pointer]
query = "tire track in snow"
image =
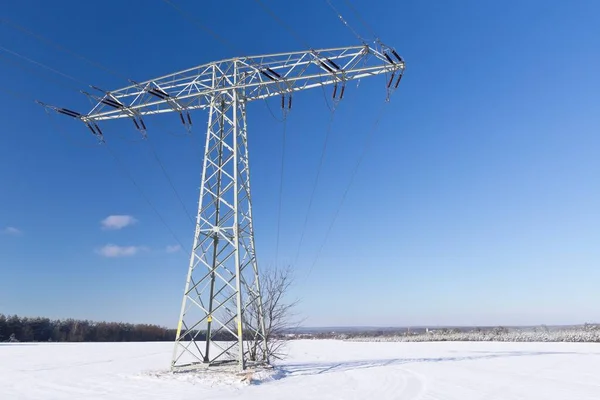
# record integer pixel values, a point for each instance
(387, 382)
(359, 380)
(415, 385)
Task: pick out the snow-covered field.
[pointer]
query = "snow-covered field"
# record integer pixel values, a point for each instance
(316, 369)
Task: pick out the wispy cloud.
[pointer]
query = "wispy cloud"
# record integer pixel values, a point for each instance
(173, 248)
(117, 221)
(11, 230)
(113, 251)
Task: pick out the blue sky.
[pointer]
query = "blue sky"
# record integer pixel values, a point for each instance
(476, 203)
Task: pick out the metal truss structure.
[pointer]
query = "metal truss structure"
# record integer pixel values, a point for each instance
(221, 315)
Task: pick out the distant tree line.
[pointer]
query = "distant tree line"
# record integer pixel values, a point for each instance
(25, 329)
(588, 333)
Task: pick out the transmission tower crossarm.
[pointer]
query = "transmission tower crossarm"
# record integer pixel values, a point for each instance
(258, 77)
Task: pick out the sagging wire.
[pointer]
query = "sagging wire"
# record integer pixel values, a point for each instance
(16, 54)
(54, 124)
(286, 105)
(16, 95)
(169, 180)
(281, 22)
(366, 146)
(41, 38)
(281, 179)
(331, 108)
(57, 82)
(200, 25)
(126, 173)
(62, 48)
(271, 111)
(345, 23)
(362, 20)
(37, 73)
(315, 183)
(362, 40)
(337, 96)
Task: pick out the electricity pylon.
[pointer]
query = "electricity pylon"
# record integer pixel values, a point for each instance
(221, 315)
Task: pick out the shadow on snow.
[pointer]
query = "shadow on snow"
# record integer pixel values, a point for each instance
(301, 369)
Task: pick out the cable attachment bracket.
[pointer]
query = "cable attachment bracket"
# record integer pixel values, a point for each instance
(283, 86)
(398, 65)
(286, 103)
(90, 123)
(338, 94)
(111, 101)
(336, 71)
(155, 90)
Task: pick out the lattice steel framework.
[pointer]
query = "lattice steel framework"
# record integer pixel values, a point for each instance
(222, 283)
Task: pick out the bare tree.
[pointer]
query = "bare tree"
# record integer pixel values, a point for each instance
(279, 314)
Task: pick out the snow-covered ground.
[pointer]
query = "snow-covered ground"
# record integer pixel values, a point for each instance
(316, 369)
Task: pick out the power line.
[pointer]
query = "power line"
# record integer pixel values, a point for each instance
(166, 174)
(360, 160)
(325, 95)
(14, 53)
(200, 25)
(280, 188)
(62, 48)
(157, 158)
(346, 24)
(315, 183)
(126, 173)
(281, 22)
(362, 20)
(226, 43)
(164, 171)
(196, 22)
(100, 66)
(271, 111)
(332, 109)
(283, 154)
(38, 73)
(294, 34)
(27, 99)
(16, 95)
(54, 44)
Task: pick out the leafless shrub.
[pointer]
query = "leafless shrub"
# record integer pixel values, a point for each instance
(279, 315)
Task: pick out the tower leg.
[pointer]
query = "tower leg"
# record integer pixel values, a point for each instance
(221, 315)
(259, 336)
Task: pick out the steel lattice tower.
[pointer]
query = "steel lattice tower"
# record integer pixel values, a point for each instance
(221, 315)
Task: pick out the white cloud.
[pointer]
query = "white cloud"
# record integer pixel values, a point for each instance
(11, 230)
(173, 248)
(117, 221)
(112, 250)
